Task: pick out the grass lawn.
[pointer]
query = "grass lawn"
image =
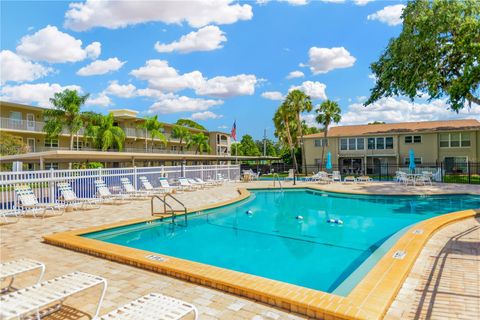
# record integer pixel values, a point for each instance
(450, 178)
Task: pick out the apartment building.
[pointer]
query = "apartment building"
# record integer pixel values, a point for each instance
(363, 148)
(27, 123)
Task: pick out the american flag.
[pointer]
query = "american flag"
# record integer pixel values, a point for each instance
(234, 131)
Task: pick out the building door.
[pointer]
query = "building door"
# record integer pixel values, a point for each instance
(31, 144)
(30, 121)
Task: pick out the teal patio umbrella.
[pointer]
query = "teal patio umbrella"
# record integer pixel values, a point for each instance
(411, 165)
(328, 166)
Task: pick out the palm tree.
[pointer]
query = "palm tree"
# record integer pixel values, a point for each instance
(181, 133)
(200, 141)
(64, 114)
(106, 135)
(328, 112)
(154, 128)
(284, 121)
(298, 103)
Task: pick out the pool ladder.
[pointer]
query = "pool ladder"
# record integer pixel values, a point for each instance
(173, 213)
(276, 178)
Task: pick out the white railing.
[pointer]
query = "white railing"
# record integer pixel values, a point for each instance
(44, 183)
(26, 125)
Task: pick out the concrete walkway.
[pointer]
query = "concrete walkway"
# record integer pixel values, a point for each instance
(422, 292)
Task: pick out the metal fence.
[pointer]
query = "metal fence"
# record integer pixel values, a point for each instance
(448, 172)
(44, 183)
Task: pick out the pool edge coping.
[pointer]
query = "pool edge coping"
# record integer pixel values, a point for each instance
(369, 299)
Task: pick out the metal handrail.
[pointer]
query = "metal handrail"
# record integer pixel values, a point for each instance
(276, 177)
(172, 211)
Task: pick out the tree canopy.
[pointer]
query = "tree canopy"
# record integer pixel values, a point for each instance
(248, 146)
(190, 124)
(437, 53)
(11, 145)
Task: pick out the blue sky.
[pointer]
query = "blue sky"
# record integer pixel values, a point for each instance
(214, 63)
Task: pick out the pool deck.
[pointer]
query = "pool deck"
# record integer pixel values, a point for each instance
(445, 279)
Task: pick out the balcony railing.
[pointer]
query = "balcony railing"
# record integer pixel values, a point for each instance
(138, 150)
(26, 125)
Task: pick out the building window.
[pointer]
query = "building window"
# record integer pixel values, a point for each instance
(51, 165)
(380, 144)
(371, 143)
(454, 140)
(51, 143)
(352, 144)
(389, 143)
(321, 142)
(343, 144)
(78, 145)
(413, 139)
(173, 148)
(416, 160)
(360, 143)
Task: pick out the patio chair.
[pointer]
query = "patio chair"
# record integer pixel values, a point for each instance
(153, 306)
(364, 179)
(11, 269)
(28, 202)
(9, 216)
(425, 178)
(200, 185)
(104, 193)
(148, 186)
(164, 184)
(336, 176)
(323, 177)
(208, 183)
(349, 179)
(48, 296)
(69, 198)
(185, 185)
(130, 190)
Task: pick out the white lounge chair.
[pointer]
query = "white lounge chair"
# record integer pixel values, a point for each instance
(28, 202)
(195, 183)
(104, 193)
(425, 178)
(13, 268)
(38, 299)
(164, 184)
(187, 186)
(130, 190)
(153, 306)
(323, 177)
(69, 198)
(364, 179)
(147, 186)
(208, 183)
(9, 216)
(336, 176)
(349, 179)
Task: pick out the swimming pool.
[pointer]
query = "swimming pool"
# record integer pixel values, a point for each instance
(272, 243)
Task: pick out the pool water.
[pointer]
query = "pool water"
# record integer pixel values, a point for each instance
(272, 243)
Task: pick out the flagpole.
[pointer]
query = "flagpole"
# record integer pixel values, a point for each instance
(236, 144)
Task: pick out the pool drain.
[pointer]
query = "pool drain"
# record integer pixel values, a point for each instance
(156, 258)
(399, 255)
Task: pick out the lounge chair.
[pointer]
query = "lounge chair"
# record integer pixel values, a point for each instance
(364, 179)
(38, 299)
(9, 216)
(104, 193)
(349, 179)
(28, 202)
(13, 268)
(130, 190)
(208, 183)
(425, 178)
(164, 184)
(187, 186)
(153, 306)
(323, 177)
(69, 198)
(336, 176)
(200, 185)
(147, 186)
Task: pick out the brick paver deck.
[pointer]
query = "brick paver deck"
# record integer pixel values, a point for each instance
(126, 283)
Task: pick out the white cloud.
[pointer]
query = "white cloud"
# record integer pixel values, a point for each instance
(391, 15)
(310, 120)
(323, 60)
(205, 115)
(362, 2)
(182, 104)
(38, 93)
(115, 14)
(223, 127)
(333, 1)
(121, 90)
(273, 95)
(295, 74)
(205, 39)
(224, 87)
(400, 109)
(161, 76)
(16, 68)
(101, 100)
(51, 45)
(101, 67)
(315, 89)
(296, 2)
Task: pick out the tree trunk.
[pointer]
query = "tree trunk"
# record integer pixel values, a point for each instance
(290, 143)
(470, 97)
(323, 145)
(71, 140)
(180, 147)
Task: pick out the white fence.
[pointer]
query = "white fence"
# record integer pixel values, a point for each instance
(44, 183)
